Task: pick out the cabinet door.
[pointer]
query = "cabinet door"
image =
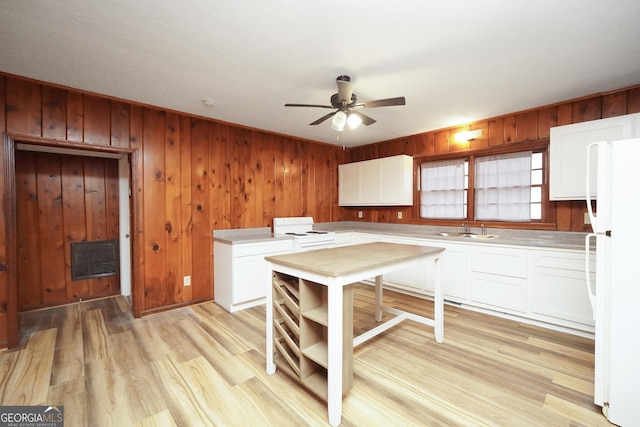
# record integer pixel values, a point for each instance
(344, 238)
(568, 153)
(360, 238)
(348, 184)
(367, 182)
(454, 272)
(558, 287)
(381, 182)
(395, 180)
(412, 277)
(248, 278)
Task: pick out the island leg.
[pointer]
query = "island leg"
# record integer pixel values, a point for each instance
(438, 302)
(271, 366)
(334, 344)
(378, 296)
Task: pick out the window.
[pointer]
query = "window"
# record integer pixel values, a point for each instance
(508, 186)
(503, 187)
(443, 186)
(536, 186)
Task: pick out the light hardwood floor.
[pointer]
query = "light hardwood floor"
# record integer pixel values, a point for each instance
(201, 366)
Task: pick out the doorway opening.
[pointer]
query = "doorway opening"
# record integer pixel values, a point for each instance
(127, 173)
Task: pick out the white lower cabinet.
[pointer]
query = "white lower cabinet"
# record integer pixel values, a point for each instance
(558, 287)
(455, 271)
(414, 277)
(344, 239)
(499, 292)
(419, 276)
(499, 277)
(540, 285)
(240, 270)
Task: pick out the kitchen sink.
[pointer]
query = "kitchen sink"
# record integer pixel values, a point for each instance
(468, 235)
(479, 236)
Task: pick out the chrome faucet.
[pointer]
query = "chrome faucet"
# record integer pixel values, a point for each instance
(467, 229)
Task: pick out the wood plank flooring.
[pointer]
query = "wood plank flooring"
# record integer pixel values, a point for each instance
(201, 366)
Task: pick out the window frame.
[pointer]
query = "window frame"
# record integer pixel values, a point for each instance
(539, 146)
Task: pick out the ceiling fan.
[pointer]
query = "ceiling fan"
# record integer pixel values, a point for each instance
(345, 102)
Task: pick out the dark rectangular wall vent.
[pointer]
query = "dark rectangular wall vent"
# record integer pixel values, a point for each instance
(94, 259)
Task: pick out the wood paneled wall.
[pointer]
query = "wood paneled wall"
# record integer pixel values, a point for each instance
(531, 125)
(197, 175)
(62, 199)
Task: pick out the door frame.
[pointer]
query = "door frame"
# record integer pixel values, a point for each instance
(9, 147)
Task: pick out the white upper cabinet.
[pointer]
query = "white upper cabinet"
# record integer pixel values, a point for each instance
(381, 182)
(568, 153)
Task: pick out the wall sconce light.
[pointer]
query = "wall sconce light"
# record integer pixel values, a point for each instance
(467, 136)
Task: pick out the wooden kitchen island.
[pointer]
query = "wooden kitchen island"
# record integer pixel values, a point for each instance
(310, 311)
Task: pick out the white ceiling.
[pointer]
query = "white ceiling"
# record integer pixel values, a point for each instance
(454, 61)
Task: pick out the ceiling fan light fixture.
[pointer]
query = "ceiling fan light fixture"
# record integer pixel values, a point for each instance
(344, 103)
(354, 121)
(339, 120)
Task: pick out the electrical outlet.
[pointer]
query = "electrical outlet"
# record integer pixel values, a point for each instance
(587, 220)
(399, 215)
(359, 214)
(186, 281)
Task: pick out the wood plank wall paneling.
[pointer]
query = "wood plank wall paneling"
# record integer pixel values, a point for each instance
(49, 229)
(29, 263)
(532, 125)
(155, 248)
(185, 226)
(202, 243)
(54, 107)
(72, 172)
(199, 175)
(62, 199)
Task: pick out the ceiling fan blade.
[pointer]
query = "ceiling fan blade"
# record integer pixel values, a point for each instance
(308, 105)
(323, 118)
(383, 102)
(366, 120)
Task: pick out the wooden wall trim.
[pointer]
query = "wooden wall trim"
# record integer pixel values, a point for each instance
(11, 246)
(71, 145)
(137, 245)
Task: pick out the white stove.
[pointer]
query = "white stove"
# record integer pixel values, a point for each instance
(305, 238)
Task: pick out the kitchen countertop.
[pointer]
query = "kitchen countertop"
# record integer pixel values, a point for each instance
(345, 260)
(510, 237)
(247, 235)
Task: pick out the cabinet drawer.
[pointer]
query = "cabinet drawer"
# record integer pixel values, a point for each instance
(500, 261)
(564, 261)
(499, 291)
(263, 248)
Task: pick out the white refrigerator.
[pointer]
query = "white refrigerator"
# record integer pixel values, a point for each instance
(615, 295)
